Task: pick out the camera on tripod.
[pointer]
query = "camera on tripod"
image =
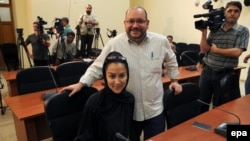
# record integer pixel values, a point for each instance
(215, 17)
(111, 33)
(40, 22)
(58, 26)
(19, 32)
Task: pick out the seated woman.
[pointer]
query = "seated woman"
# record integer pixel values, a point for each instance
(110, 110)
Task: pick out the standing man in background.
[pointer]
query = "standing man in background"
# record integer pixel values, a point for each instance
(87, 23)
(40, 43)
(222, 49)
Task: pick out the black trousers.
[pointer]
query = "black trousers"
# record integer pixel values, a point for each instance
(86, 45)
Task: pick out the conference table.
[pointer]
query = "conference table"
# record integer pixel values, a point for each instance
(28, 109)
(187, 132)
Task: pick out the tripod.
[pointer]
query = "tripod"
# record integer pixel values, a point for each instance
(3, 108)
(20, 41)
(95, 50)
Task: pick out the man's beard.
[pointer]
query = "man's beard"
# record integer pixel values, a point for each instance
(88, 12)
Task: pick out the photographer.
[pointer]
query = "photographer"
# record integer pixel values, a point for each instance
(87, 23)
(222, 49)
(65, 51)
(66, 28)
(40, 43)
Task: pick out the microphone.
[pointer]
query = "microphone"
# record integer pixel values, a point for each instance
(121, 137)
(50, 93)
(222, 128)
(191, 68)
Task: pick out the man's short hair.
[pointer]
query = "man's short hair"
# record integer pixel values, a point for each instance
(71, 33)
(65, 19)
(234, 3)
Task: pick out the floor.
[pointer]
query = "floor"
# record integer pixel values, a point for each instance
(7, 129)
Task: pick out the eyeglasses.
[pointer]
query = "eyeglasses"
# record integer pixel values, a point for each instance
(140, 22)
(116, 58)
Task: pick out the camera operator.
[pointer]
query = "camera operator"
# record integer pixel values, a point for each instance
(40, 43)
(66, 27)
(222, 49)
(65, 51)
(87, 23)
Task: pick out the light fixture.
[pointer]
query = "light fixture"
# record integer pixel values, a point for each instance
(196, 2)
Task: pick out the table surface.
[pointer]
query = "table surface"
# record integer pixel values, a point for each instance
(187, 132)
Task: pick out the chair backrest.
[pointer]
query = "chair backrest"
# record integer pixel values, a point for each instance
(70, 72)
(63, 113)
(10, 56)
(35, 79)
(194, 47)
(181, 107)
(189, 58)
(230, 87)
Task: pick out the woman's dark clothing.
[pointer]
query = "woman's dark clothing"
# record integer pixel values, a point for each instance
(106, 114)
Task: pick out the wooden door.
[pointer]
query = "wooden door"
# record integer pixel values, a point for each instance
(7, 31)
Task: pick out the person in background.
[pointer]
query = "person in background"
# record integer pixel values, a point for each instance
(110, 110)
(247, 84)
(66, 50)
(87, 23)
(40, 43)
(222, 49)
(172, 43)
(145, 52)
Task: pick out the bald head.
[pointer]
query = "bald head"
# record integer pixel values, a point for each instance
(138, 8)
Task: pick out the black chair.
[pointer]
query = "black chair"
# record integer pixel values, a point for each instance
(179, 108)
(70, 72)
(189, 58)
(63, 113)
(35, 79)
(180, 47)
(194, 47)
(230, 87)
(10, 56)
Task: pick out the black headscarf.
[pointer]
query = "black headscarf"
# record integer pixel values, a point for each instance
(107, 113)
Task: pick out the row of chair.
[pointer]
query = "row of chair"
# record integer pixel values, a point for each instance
(44, 77)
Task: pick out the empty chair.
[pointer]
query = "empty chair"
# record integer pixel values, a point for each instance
(35, 79)
(70, 72)
(10, 56)
(189, 58)
(179, 108)
(194, 47)
(230, 87)
(180, 47)
(63, 113)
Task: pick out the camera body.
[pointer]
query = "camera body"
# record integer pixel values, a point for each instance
(58, 25)
(215, 18)
(40, 22)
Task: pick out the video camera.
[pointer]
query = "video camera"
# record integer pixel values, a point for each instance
(58, 25)
(215, 17)
(111, 33)
(40, 22)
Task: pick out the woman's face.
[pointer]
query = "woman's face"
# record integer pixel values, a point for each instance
(116, 74)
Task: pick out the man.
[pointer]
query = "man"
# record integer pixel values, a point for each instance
(145, 53)
(40, 43)
(87, 23)
(171, 42)
(66, 28)
(65, 50)
(223, 48)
